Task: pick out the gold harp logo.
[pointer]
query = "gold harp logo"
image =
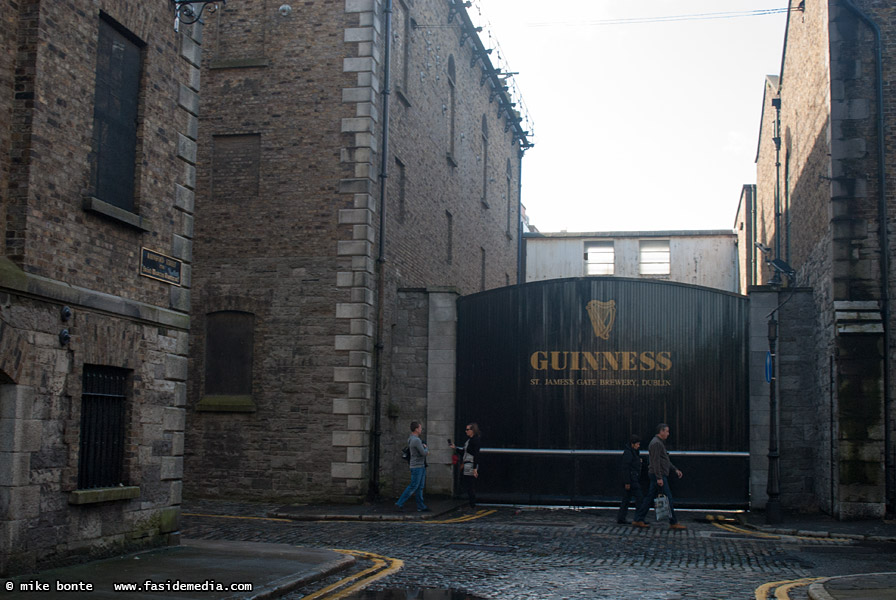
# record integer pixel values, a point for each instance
(602, 315)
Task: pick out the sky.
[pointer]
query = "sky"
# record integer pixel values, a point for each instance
(638, 126)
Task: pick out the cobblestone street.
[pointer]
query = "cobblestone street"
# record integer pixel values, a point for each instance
(555, 554)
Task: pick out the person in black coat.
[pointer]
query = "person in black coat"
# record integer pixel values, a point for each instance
(630, 471)
(470, 453)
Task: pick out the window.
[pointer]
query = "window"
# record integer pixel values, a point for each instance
(103, 404)
(452, 93)
(482, 271)
(600, 258)
(655, 257)
(402, 186)
(229, 337)
(509, 197)
(239, 36)
(449, 226)
(116, 115)
(484, 161)
(401, 48)
(236, 163)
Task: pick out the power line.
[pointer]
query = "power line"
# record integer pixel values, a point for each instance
(671, 18)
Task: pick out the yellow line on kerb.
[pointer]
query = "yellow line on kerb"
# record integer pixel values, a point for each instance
(783, 587)
(465, 518)
(359, 580)
(734, 529)
(237, 517)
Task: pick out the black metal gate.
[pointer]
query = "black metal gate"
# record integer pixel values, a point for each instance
(559, 373)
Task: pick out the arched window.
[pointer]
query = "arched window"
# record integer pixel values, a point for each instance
(484, 161)
(509, 194)
(451, 106)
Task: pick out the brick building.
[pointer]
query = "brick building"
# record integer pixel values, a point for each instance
(822, 204)
(359, 168)
(97, 144)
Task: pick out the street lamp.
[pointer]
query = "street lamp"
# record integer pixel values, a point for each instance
(186, 12)
(773, 506)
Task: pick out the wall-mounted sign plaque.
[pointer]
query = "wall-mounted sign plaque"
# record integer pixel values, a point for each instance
(158, 266)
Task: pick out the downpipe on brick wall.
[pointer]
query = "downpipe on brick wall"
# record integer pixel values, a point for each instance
(373, 489)
(884, 240)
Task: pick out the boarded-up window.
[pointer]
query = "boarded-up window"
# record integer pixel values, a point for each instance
(235, 166)
(239, 31)
(115, 115)
(229, 337)
(101, 457)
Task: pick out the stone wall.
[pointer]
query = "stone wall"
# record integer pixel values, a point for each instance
(71, 293)
(827, 190)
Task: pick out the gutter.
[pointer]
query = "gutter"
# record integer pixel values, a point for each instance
(373, 490)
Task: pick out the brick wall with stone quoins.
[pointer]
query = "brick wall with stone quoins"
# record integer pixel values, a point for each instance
(95, 276)
(289, 229)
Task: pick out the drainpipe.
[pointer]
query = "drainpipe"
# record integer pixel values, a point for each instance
(373, 491)
(776, 102)
(754, 262)
(884, 240)
(520, 263)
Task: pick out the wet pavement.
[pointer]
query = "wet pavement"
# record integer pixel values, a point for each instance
(412, 594)
(507, 553)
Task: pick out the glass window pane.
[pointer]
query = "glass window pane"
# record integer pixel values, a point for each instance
(600, 258)
(655, 257)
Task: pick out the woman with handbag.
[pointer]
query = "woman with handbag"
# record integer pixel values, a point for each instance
(470, 452)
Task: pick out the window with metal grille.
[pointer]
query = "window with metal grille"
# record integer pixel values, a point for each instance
(600, 258)
(116, 114)
(656, 257)
(103, 404)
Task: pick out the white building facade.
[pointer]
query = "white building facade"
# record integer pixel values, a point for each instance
(707, 258)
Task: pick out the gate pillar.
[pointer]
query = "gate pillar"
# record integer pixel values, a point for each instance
(440, 388)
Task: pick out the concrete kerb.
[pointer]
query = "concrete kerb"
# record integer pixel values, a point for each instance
(272, 569)
(881, 586)
(820, 534)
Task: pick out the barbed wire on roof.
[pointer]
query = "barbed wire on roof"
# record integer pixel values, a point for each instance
(500, 62)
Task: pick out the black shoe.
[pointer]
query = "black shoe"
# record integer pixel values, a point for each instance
(623, 522)
(397, 508)
(423, 510)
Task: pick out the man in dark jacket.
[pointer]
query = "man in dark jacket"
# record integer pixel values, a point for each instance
(630, 471)
(658, 470)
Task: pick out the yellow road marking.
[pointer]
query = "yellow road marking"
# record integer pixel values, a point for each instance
(236, 517)
(783, 587)
(734, 529)
(465, 518)
(358, 580)
(781, 592)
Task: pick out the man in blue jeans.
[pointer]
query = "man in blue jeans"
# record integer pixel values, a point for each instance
(418, 469)
(658, 472)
